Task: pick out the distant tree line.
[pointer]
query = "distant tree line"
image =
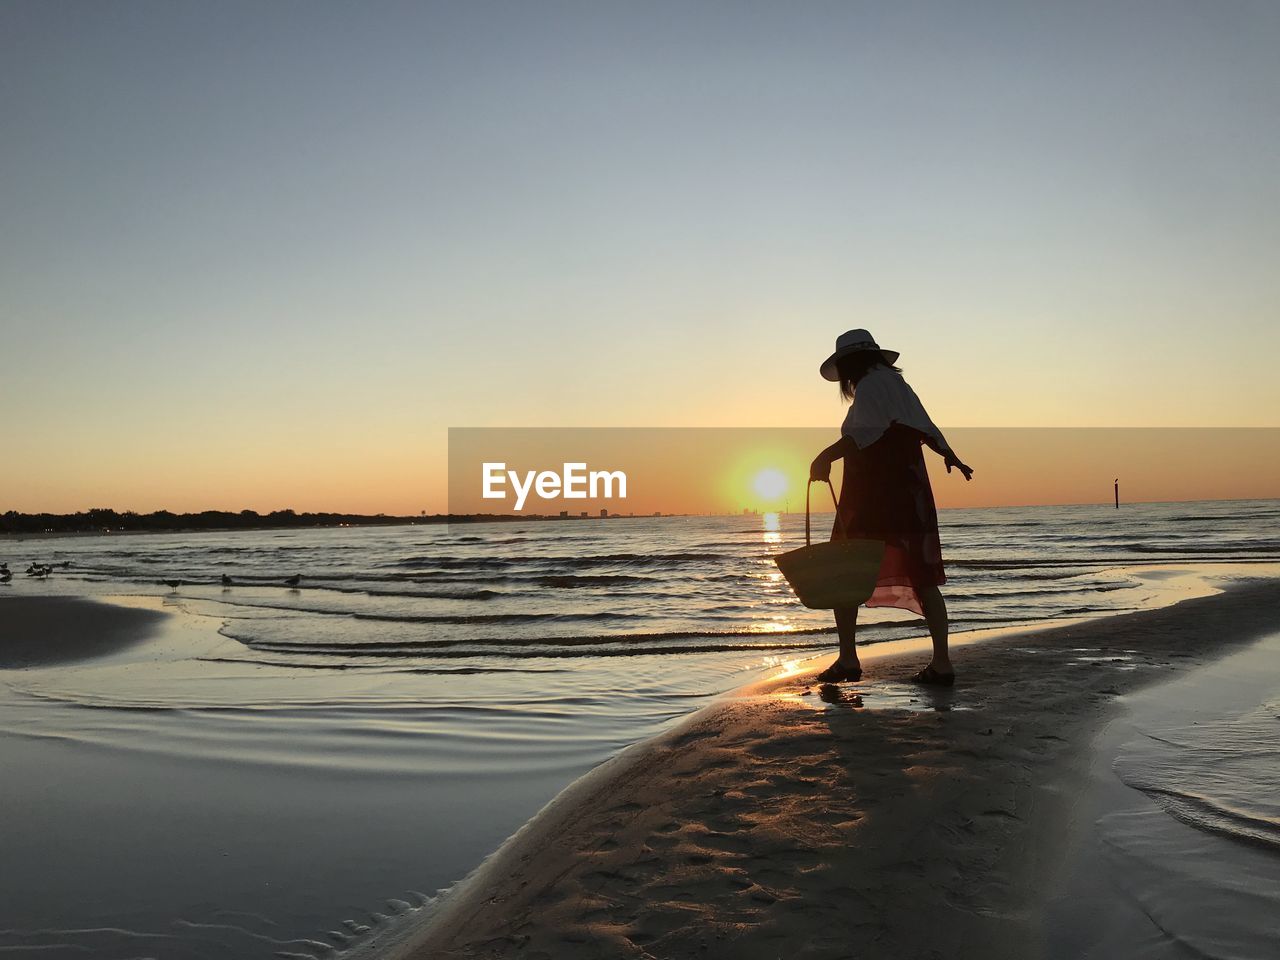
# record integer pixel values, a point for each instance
(104, 521)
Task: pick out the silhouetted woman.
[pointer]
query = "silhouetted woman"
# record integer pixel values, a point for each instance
(885, 495)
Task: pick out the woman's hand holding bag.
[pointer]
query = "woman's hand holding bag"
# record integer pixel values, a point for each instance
(835, 574)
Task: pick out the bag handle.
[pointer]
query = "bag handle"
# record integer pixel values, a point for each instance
(807, 541)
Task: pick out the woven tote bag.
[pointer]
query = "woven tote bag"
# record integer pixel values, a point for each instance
(836, 573)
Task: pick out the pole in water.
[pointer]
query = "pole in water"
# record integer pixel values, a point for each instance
(1117, 493)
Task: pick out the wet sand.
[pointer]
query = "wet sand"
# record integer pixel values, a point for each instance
(1176, 849)
(804, 822)
(46, 631)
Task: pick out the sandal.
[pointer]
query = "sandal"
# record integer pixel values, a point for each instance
(931, 677)
(838, 673)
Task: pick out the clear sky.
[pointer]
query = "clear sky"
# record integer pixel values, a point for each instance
(264, 254)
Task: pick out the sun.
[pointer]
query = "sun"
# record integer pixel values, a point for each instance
(770, 483)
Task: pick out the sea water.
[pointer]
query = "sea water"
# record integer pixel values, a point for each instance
(286, 767)
(1180, 854)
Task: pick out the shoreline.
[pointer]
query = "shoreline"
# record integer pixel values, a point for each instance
(1162, 841)
(60, 630)
(435, 520)
(774, 695)
(724, 837)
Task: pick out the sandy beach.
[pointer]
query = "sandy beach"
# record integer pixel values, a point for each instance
(41, 631)
(444, 444)
(804, 822)
(647, 805)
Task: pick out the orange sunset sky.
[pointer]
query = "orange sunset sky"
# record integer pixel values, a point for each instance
(266, 255)
(728, 470)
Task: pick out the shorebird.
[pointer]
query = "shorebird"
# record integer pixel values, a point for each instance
(226, 581)
(175, 584)
(5, 575)
(294, 580)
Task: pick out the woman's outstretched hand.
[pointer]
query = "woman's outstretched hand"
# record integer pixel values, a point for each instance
(820, 469)
(952, 460)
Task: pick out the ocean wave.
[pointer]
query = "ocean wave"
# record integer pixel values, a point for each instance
(512, 618)
(570, 580)
(1021, 593)
(573, 562)
(1201, 549)
(1220, 775)
(589, 647)
(595, 639)
(945, 524)
(1209, 814)
(521, 653)
(427, 594)
(311, 665)
(545, 645)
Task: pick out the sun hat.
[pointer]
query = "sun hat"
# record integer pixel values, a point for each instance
(855, 341)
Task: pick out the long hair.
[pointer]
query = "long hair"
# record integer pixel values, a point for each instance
(854, 366)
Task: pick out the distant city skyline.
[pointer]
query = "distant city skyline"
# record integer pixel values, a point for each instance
(265, 255)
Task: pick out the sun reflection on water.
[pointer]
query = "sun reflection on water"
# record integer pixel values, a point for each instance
(789, 668)
(772, 537)
(772, 528)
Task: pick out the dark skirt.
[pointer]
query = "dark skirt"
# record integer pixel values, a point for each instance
(885, 495)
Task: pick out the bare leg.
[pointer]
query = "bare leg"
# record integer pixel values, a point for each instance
(935, 615)
(846, 666)
(847, 626)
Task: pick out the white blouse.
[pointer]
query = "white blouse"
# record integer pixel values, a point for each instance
(882, 398)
